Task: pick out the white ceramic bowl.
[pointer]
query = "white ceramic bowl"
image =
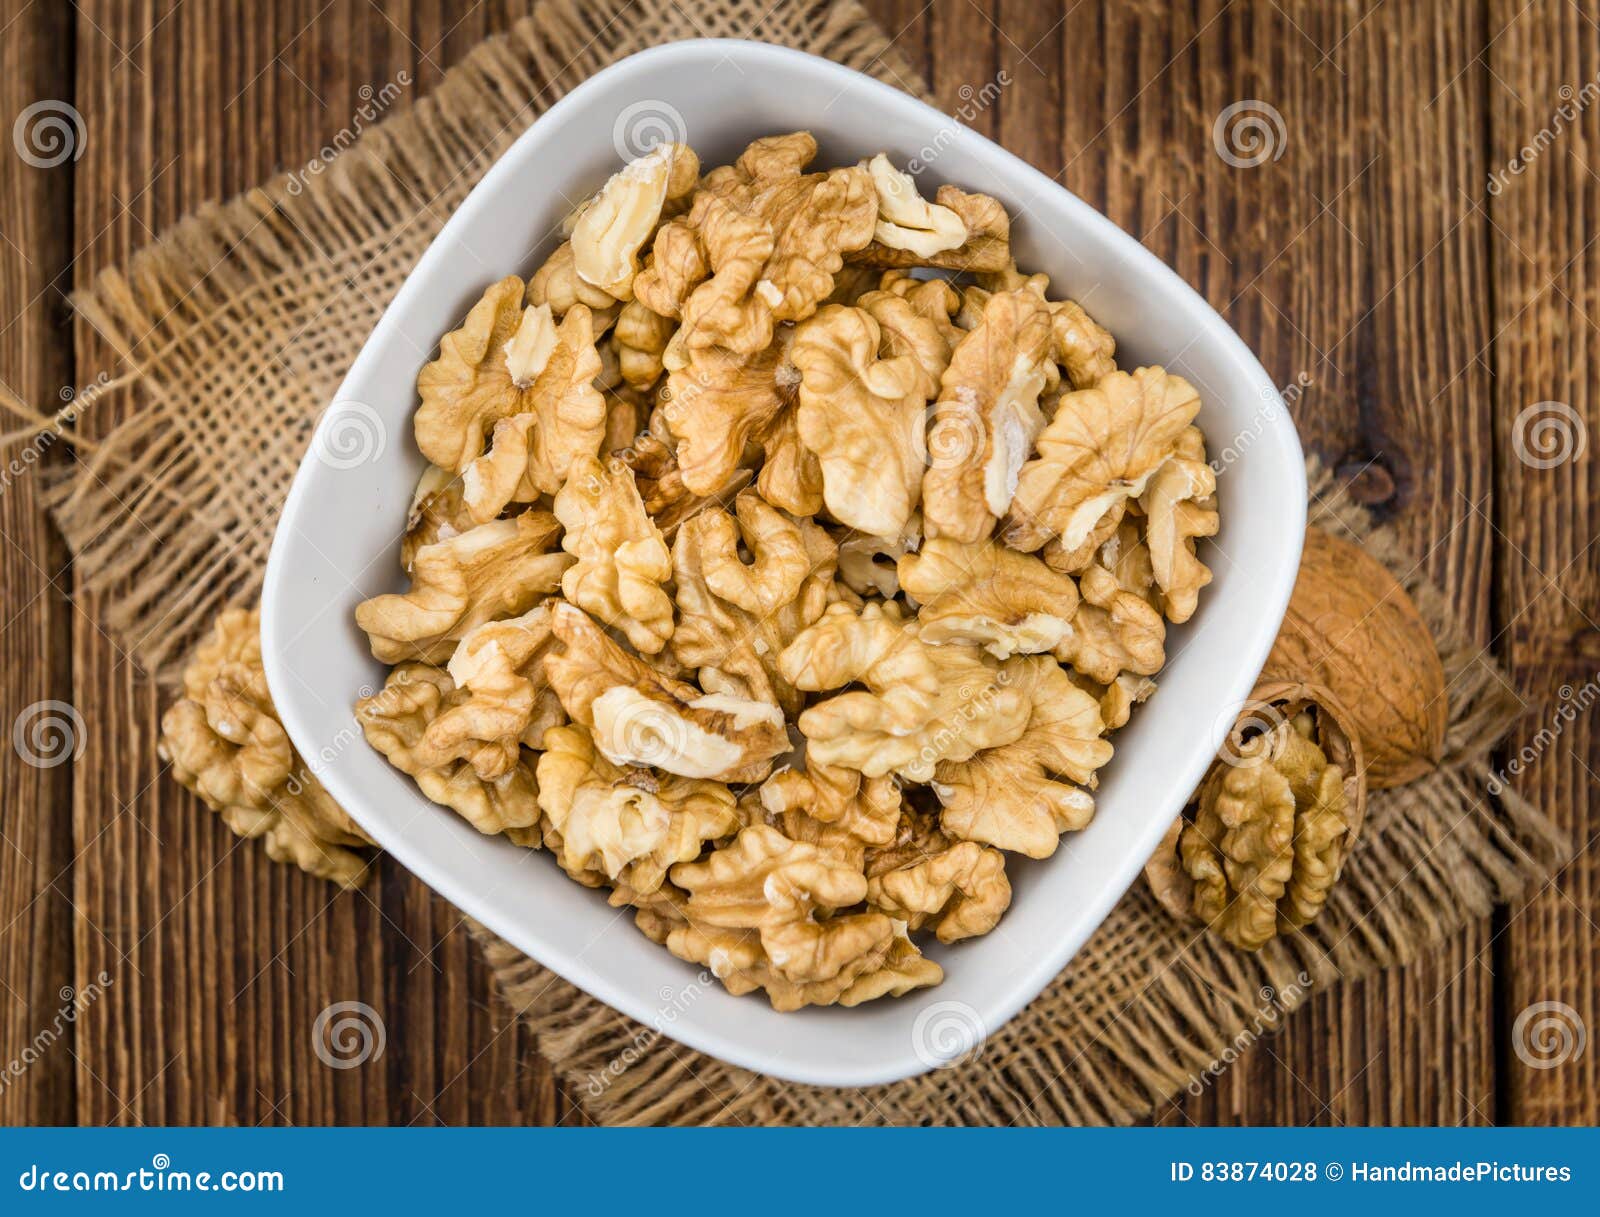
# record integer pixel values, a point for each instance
(337, 544)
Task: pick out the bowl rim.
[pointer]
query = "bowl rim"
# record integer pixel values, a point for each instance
(1027, 983)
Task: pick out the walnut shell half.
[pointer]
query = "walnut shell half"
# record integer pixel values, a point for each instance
(1264, 838)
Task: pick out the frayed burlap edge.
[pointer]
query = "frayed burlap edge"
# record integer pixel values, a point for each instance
(235, 328)
(233, 332)
(1149, 1006)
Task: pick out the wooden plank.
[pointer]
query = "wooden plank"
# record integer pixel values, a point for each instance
(1340, 258)
(1544, 204)
(39, 986)
(223, 960)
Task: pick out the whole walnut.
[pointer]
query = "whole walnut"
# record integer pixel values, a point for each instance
(1352, 629)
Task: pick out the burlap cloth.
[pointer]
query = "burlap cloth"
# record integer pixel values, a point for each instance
(235, 329)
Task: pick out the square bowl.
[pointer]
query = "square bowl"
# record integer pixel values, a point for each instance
(337, 544)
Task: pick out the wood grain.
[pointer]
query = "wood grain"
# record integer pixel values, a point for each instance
(1366, 260)
(1546, 349)
(37, 975)
(223, 960)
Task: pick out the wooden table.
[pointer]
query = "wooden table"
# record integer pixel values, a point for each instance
(1365, 257)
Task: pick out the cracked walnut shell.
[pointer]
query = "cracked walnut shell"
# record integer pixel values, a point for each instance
(1352, 629)
(1268, 832)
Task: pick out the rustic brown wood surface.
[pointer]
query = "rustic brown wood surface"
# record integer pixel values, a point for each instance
(1426, 321)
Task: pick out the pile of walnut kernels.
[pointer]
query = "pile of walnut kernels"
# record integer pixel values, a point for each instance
(774, 588)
